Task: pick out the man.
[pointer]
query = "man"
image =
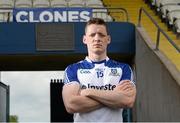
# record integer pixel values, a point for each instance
(97, 89)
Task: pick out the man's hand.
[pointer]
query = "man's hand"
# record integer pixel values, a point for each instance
(125, 85)
(127, 88)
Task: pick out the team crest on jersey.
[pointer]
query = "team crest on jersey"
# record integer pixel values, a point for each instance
(114, 72)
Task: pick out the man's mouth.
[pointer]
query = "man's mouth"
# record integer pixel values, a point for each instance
(97, 45)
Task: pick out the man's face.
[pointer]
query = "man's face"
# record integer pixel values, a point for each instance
(96, 38)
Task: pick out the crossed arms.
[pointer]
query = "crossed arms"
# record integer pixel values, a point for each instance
(86, 100)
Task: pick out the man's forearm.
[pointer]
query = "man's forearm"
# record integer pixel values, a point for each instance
(107, 98)
(111, 99)
(75, 102)
(82, 104)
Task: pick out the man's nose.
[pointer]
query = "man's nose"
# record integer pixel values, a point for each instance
(97, 37)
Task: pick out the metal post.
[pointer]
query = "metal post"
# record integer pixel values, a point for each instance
(8, 103)
(139, 19)
(157, 41)
(0, 76)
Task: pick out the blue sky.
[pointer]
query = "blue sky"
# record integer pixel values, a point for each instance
(30, 94)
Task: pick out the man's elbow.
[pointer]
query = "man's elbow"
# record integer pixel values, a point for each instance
(71, 107)
(70, 110)
(130, 103)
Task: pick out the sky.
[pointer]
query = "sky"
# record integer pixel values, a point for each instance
(30, 94)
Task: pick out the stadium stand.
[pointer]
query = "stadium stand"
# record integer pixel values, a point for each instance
(164, 2)
(41, 3)
(159, 3)
(23, 4)
(3, 16)
(99, 9)
(58, 3)
(133, 11)
(76, 3)
(168, 8)
(163, 6)
(5, 10)
(172, 16)
(177, 27)
(94, 3)
(105, 16)
(6, 4)
(169, 13)
(102, 13)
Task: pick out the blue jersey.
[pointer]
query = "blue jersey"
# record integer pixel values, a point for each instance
(102, 75)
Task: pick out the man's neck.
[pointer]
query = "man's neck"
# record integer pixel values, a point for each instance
(96, 58)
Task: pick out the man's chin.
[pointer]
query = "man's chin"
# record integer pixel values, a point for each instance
(98, 52)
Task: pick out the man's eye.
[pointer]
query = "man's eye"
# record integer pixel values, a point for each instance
(101, 35)
(92, 35)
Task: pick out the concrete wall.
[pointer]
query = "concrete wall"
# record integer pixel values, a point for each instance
(3, 103)
(158, 84)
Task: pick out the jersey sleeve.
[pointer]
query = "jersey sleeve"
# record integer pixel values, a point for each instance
(70, 74)
(127, 73)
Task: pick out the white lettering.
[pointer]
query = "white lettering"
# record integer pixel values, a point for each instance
(46, 16)
(73, 16)
(31, 17)
(19, 16)
(60, 17)
(85, 16)
(52, 16)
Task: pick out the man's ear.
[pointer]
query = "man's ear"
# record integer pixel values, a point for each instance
(84, 39)
(109, 39)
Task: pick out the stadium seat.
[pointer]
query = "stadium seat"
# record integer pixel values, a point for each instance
(6, 3)
(58, 3)
(172, 15)
(160, 3)
(153, 2)
(168, 8)
(41, 3)
(76, 3)
(93, 3)
(103, 15)
(23, 4)
(3, 17)
(94, 6)
(157, 3)
(6, 15)
(177, 25)
(5, 11)
(164, 2)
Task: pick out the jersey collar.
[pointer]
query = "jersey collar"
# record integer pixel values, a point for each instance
(97, 62)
